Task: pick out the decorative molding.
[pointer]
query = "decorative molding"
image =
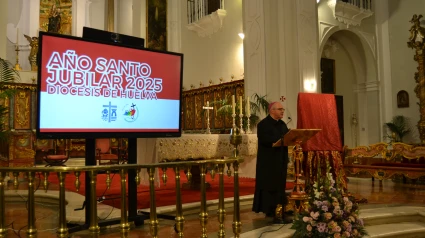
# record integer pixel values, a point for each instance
(331, 46)
(347, 13)
(324, 28)
(367, 87)
(209, 24)
(370, 40)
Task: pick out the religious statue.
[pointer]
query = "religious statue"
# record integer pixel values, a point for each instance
(54, 20)
(33, 53)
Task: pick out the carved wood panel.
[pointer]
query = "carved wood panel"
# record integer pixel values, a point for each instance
(194, 117)
(22, 109)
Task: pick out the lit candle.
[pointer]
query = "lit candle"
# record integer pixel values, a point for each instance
(248, 108)
(233, 104)
(240, 105)
(17, 36)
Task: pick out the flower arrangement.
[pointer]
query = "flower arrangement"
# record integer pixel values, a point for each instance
(330, 214)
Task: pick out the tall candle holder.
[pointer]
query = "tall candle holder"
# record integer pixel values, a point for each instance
(248, 126)
(17, 66)
(241, 122)
(234, 121)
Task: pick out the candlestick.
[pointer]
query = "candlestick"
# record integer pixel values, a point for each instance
(248, 115)
(248, 107)
(241, 122)
(233, 104)
(208, 108)
(17, 65)
(17, 36)
(240, 105)
(233, 113)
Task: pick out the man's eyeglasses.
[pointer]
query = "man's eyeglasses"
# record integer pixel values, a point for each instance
(280, 109)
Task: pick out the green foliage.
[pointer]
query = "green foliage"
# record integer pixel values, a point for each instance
(257, 105)
(7, 75)
(400, 126)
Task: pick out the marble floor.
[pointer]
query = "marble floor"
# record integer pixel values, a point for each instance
(384, 196)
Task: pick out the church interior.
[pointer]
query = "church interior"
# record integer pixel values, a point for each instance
(351, 69)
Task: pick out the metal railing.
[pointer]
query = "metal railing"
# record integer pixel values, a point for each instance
(197, 9)
(363, 4)
(216, 166)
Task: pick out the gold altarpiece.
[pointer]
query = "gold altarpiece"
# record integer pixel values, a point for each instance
(193, 117)
(19, 150)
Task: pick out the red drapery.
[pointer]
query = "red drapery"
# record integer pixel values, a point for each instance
(318, 111)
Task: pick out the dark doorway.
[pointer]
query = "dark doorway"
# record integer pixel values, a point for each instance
(327, 66)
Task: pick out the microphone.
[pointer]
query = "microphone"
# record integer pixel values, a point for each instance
(289, 120)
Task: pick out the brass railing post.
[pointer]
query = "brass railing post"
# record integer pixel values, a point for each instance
(125, 226)
(179, 209)
(63, 228)
(3, 229)
(221, 212)
(153, 218)
(94, 226)
(203, 215)
(31, 206)
(236, 214)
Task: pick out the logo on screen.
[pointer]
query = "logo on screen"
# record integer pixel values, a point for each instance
(131, 112)
(109, 112)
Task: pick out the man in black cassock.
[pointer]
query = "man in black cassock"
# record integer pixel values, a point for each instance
(272, 162)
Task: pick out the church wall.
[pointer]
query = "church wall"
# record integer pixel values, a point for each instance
(345, 81)
(402, 64)
(219, 55)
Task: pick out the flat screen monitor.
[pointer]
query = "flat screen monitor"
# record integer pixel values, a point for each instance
(92, 89)
(101, 35)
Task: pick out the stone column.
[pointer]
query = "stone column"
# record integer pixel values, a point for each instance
(383, 61)
(125, 17)
(254, 47)
(139, 18)
(281, 50)
(174, 25)
(3, 28)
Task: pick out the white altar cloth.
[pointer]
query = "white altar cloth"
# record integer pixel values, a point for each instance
(196, 146)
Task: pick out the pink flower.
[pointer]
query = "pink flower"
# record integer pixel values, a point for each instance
(347, 234)
(337, 235)
(306, 219)
(309, 228)
(314, 215)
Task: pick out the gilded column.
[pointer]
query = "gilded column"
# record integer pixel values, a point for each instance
(3, 228)
(63, 228)
(416, 42)
(32, 230)
(179, 209)
(203, 215)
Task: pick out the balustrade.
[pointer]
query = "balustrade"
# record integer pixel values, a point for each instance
(364, 4)
(197, 9)
(31, 173)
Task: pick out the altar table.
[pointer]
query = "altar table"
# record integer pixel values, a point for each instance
(196, 146)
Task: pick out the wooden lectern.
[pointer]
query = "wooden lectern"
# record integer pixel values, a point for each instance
(296, 137)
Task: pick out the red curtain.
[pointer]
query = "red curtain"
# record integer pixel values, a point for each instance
(318, 111)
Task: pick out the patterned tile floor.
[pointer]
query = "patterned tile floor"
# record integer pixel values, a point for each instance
(388, 192)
